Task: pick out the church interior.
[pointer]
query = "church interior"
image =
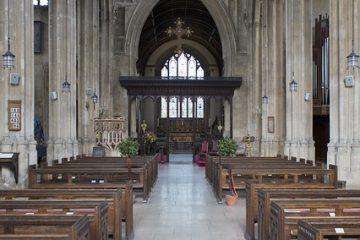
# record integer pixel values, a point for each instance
(167, 107)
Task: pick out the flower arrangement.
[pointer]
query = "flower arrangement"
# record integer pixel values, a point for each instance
(128, 147)
(227, 147)
(149, 137)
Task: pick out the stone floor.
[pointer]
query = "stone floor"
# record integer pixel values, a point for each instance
(182, 206)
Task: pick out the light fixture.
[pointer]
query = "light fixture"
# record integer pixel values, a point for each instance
(94, 98)
(265, 99)
(66, 85)
(8, 56)
(293, 85)
(352, 60)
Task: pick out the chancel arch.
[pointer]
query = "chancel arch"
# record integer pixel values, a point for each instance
(217, 9)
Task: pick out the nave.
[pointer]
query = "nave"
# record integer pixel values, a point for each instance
(182, 206)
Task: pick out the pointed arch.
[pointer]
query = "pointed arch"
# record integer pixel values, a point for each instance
(219, 13)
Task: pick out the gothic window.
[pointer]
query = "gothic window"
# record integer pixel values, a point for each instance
(181, 66)
(40, 2)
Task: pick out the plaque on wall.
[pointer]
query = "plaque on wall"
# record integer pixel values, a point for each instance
(14, 115)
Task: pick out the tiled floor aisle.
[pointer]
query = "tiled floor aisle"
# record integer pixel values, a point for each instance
(182, 206)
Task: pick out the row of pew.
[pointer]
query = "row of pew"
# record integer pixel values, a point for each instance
(77, 198)
(288, 199)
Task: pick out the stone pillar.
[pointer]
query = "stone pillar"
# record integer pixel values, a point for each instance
(299, 142)
(62, 65)
(344, 146)
(88, 55)
(17, 23)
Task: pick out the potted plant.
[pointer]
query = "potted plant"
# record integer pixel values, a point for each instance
(128, 147)
(227, 147)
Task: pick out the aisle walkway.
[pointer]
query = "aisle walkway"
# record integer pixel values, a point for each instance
(183, 207)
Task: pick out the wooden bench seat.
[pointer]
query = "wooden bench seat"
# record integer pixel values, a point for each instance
(329, 228)
(273, 174)
(266, 195)
(147, 160)
(252, 205)
(120, 202)
(285, 214)
(34, 236)
(211, 165)
(87, 178)
(74, 227)
(97, 211)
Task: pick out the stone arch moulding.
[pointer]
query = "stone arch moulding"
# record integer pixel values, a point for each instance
(219, 13)
(162, 53)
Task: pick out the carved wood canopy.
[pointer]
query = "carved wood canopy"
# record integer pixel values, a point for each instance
(158, 86)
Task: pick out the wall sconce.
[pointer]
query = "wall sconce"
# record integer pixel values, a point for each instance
(94, 98)
(8, 58)
(293, 85)
(66, 86)
(92, 95)
(352, 60)
(265, 99)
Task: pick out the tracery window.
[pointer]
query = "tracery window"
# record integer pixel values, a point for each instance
(181, 66)
(40, 2)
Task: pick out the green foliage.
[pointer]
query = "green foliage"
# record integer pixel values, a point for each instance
(227, 147)
(129, 147)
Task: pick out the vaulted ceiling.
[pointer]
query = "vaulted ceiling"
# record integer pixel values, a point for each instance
(193, 13)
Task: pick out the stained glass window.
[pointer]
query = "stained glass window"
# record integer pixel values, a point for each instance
(181, 66)
(41, 2)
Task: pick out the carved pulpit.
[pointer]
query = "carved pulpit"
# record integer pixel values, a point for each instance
(109, 132)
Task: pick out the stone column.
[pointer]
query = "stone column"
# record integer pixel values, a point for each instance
(299, 142)
(88, 55)
(17, 23)
(62, 65)
(344, 146)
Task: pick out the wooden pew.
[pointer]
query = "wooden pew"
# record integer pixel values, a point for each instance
(273, 174)
(329, 228)
(96, 211)
(87, 178)
(120, 202)
(74, 227)
(266, 195)
(34, 236)
(212, 162)
(140, 174)
(148, 160)
(252, 206)
(218, 170)
(285, 214)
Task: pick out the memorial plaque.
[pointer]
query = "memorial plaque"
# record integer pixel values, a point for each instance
(14, 115)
